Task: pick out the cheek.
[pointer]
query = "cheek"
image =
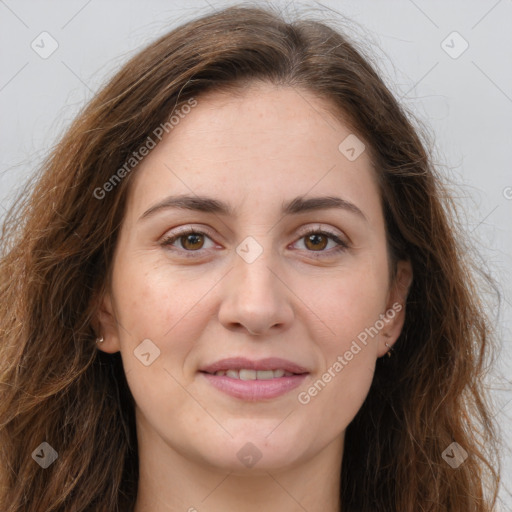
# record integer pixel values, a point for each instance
(349, 304)
(332, 398)
(348, 358)
(167, 308)
(156, 301)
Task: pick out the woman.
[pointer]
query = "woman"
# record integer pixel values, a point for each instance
(236, 286)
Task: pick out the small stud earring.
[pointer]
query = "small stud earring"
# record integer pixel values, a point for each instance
(100, 340)
(390, 349)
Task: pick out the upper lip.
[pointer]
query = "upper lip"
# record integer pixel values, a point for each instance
(241, 363)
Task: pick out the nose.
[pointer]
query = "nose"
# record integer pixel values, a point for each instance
(256, 298)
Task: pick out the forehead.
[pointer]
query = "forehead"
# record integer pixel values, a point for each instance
(259, 144)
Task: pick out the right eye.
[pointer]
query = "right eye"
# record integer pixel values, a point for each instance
(189, 240)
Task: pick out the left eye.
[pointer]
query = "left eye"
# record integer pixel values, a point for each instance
(317, 241)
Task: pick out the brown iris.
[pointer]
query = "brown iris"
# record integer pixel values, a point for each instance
(317, 240)
(192, 241)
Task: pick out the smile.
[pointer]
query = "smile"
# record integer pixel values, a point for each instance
(254, 380)
(249, 374)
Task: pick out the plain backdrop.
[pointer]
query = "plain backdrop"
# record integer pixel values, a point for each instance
(448, 62)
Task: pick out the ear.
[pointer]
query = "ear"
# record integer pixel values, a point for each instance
(395, 306)
(107, 326)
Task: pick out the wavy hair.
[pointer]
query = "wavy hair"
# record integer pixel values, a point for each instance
(57, 251)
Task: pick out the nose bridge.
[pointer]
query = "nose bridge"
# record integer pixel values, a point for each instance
(256, 298)
(254, 279)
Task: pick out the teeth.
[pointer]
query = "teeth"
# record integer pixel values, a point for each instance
(245, 374)
(264, 374)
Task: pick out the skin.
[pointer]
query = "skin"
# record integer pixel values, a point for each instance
(254, 150)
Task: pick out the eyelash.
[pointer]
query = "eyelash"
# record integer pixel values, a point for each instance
(342, 245)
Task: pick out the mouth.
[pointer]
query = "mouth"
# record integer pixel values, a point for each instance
(254, 380)
(248, 374)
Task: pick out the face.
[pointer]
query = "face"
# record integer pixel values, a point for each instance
(253, 310)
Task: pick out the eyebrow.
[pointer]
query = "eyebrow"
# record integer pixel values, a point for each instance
(210, 205)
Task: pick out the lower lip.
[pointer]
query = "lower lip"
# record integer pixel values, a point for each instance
(252, 390)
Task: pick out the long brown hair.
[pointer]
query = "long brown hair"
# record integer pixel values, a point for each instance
(57, 252)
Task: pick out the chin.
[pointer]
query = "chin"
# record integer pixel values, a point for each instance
(249, 451)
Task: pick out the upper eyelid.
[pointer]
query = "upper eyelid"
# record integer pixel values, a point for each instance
(303, 231)
(183, 230)
(318, 227)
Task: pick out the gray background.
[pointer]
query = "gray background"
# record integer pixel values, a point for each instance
(465, 103)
